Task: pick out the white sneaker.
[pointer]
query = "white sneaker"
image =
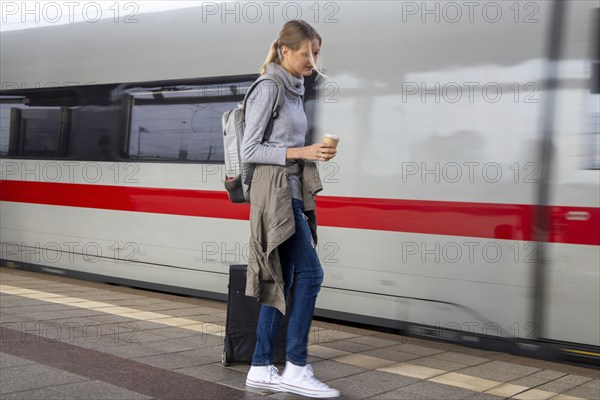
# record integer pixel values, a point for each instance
(302, 381)
(263, 378)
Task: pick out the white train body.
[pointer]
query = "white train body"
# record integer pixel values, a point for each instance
(431, 211)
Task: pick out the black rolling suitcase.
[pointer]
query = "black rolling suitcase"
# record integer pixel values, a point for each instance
(242, 319)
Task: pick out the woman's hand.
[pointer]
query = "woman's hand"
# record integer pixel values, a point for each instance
(314, 152)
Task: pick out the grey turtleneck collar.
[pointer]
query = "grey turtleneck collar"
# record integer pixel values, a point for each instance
(294, 86)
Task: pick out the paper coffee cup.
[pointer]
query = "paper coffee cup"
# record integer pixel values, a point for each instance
(331, 139)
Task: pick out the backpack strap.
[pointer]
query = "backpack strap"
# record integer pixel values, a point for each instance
(276, 106)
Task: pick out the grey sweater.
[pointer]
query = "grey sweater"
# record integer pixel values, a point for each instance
(289, 128)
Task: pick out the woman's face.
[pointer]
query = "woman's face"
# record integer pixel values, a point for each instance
(298, 62)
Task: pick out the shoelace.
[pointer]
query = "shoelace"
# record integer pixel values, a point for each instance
(273, 372)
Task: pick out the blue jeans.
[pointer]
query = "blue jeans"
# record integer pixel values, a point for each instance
(299, 264)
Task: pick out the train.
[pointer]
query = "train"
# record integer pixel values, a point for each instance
(463, 204)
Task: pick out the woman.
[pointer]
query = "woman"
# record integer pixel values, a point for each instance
(282, 219)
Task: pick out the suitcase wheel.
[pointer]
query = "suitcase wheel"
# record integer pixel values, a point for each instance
(224, 359)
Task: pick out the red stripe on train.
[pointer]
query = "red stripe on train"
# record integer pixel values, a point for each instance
(482, 220)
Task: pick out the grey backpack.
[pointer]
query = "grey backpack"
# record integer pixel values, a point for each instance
(238, 175)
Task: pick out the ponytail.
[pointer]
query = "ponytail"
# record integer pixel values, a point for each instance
(271, 57)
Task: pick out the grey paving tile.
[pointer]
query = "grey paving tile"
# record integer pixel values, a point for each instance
(5, 319)
(244, 368)
(129, 337)
(182, 359)
(374, 342)
(6, 298)
(529, 381)
(369, 384)
(51, 329)
(216, 309)
(164, 306)
(174, 332)
(105, 334)
(214, 372)
(109, 318)
(415, 349)
(347, 346)
(539, 378)
(387, 354)
(324, 333)
(130, 351)
(38, 394)
(141, 325)
(33, 376)
(239, 382)
(431, 390)
(359, 331)
(21, 302)
(98, 390)
(548, 374)
(437, 363)
(399, 394)
(111, 334)
(132, 302)
(177, 305)
(167, 346)
(461, 358)
(489, 373)
(106, 295)
(593, 384)
(46, 285)
(483, 396)
(312, 359)
(554, 367)
(91, 341)
(39, 316)
(510, 368)
(209, 340)
(187, 343)
(43, 307)
(215, 318)
(584, 392)
(192, 310)
(9, 310)
(8, 360)
(574, 379)
(79, 312)
(565, 383)
(327, 370)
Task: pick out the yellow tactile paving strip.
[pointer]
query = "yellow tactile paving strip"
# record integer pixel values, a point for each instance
(183, 323)
(454, 379)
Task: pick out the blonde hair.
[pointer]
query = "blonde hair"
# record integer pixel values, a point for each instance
(293, 35)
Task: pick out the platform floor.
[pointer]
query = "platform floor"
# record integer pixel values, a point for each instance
(69, 339)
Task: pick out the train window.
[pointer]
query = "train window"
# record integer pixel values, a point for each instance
(180, 122)
(30, 132)
(7, 104)
(5, 111)
(96, 133)
(39, 131)
(78, 122)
